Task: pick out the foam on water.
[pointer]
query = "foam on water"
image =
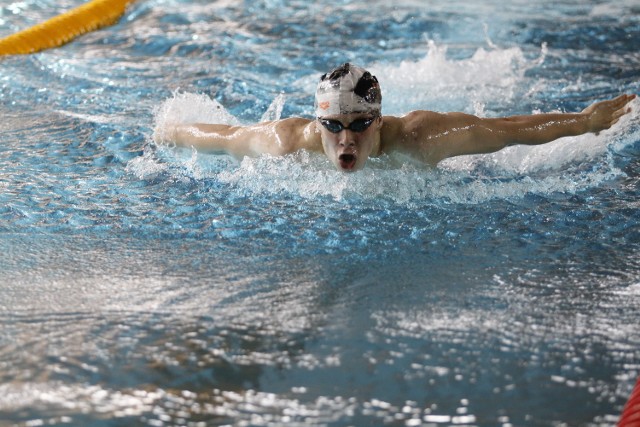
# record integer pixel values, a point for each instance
(488, 76)
(492, 77)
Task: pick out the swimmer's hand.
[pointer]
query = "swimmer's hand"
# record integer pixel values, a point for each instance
(165, 133)
(604, 114)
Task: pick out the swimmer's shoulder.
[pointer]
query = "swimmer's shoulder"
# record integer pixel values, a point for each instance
(414, 121)
(394, 127)
(402, 133)
(417, 118)
(293, 123)
(299, 133)
(410, 119)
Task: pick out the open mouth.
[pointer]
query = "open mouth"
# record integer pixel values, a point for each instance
(347, 161)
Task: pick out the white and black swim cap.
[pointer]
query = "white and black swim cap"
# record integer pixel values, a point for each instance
(348, 89)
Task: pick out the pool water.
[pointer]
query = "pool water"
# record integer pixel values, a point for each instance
(143, 284)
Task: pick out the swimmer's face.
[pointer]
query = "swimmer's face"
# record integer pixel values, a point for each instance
(349, 139)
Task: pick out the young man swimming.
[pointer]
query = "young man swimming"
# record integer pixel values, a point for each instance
(349, 127)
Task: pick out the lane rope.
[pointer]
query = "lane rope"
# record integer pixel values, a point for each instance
(63, 28)
(631, 412)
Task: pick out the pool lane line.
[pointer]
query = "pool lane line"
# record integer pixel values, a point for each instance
(631, 413)
(63, 28)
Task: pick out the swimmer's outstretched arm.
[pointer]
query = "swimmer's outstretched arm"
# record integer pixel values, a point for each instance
(218, 138)
(275, 138)
(457, 134)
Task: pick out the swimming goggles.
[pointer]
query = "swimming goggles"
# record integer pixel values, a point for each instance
(358, 125)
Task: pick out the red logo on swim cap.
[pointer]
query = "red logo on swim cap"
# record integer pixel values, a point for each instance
(324, 105)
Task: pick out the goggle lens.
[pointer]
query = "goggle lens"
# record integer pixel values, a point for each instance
(358, 125)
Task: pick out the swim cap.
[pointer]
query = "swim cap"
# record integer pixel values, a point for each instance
(348, 89)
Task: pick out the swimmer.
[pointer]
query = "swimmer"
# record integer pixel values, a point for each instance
(349, 127)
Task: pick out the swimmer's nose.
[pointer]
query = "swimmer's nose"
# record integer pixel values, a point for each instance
(346, 138)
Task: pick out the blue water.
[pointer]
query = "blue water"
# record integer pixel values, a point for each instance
(142, 284)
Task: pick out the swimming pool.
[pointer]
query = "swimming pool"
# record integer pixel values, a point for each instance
(148, 285)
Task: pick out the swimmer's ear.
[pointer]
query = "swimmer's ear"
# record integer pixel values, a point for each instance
(380, 121)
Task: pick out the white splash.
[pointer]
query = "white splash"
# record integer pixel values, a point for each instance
(146, 166)
(274, 112)
(161, 156)
(435, 80)
(189, 108)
